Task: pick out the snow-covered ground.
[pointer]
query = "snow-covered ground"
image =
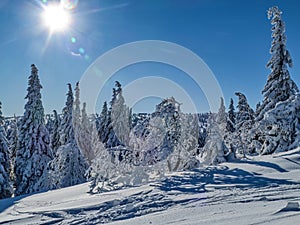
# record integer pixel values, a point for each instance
(253, 191)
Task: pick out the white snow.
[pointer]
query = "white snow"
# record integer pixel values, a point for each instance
(258, 190)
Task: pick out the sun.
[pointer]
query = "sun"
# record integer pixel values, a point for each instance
(56, 18)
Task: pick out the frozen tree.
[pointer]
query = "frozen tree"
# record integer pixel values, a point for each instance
(118, 124)
(33, 152)
(55, 138)
(183, 156)
(231, 117)
(245, 112)
(164, 132)
(77, 103)
(76, 112)
(109, 137)
(85, 136)
(5, 166)
(279, 86)
(120, 115)
(68, 166)
(12, 137)
(276, 122)
(102, 122)
(221, 116)
(203, 118)
(66, 127)
(214, 149)
(244, 124)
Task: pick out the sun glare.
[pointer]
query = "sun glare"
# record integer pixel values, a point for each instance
(56, 18)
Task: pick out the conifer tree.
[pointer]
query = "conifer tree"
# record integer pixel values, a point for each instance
(85, 136)
(244, 124)
(231, 117)
(5, 187)
(214, 150)
(33, 152)
(55, 138)
(102, 122)
(279, 86)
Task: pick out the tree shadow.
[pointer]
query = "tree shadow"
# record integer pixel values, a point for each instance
(263, 164)
(196, 181)
(8, 202)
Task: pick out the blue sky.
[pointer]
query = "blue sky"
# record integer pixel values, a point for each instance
(231, 36)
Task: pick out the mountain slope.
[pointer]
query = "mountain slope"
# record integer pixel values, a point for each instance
(252, 191)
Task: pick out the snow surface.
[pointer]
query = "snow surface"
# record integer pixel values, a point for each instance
(260, 190)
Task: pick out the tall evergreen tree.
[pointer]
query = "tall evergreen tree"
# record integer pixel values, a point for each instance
(231, 117)
(66, 129)
(279, 86)
(33, 153)
(5, 187)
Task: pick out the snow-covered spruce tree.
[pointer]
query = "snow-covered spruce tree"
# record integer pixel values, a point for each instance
(279, 86)
(270, 133)
(33, 152)
(109, 137)
(184, 154)
(203, 118)
(231, 117)
(85, 136)
(12, 137)
(214, 150)
(76, 112)
(66, 128)
(164, 132)
(5, 166)
(244, 124)
(101, 122)
(54, 137)
(120, 115)
(68, 166)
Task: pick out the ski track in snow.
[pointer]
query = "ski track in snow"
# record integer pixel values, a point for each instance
(253, 191)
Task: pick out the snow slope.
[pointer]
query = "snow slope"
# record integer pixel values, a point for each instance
(252, 191)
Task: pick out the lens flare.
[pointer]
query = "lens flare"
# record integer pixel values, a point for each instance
(69, 4)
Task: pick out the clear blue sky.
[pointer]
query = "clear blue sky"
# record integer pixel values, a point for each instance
(231, 36)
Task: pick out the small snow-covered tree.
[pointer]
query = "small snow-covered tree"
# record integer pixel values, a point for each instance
(12, 137)
(33, 152)
(214, 149)
(184, 154)
(120, 115)
(244, 125)
(102, 123)
(110, 138)
(85, 136)
(5, 166)
(54, 137)
(279, 86)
